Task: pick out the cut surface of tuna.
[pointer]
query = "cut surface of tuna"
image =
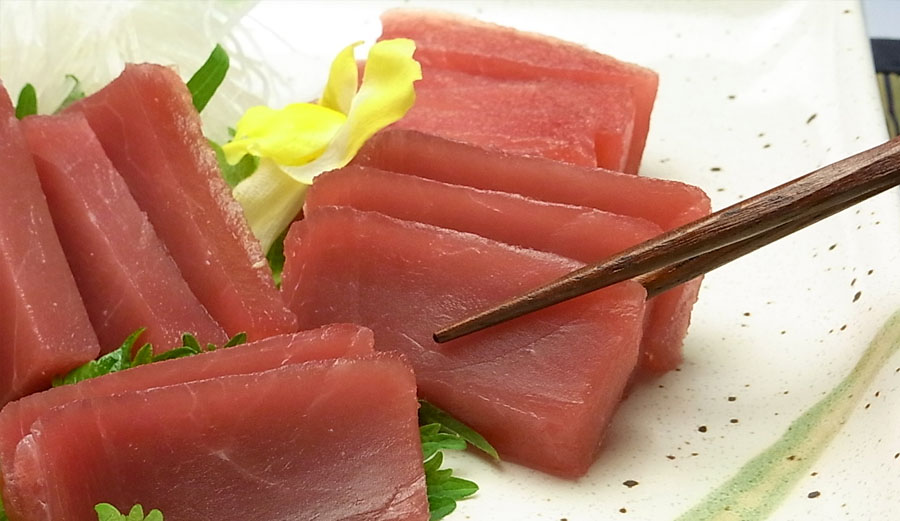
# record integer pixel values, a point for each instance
(151, 132)
(333, 440)
(455, 42)
(124, 274)
(579, 233)
(553, 118)
(43, 323)
(668, 204)
(327, 342)
(541, 389)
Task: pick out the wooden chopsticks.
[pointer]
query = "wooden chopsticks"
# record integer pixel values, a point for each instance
(705, 244)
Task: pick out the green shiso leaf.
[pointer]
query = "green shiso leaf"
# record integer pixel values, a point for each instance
(439, 431)
(429, 414)
(107, 512)
(26, 105)
(234, 174)
(209, 76)
(121, 358)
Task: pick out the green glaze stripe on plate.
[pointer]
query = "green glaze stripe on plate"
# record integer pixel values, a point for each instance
(762, 484)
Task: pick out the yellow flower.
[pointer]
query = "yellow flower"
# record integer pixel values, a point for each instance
(303, 140)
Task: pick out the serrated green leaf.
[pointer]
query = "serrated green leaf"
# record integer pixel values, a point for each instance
(190, 341)
(234, 174)
(107, 512)
(111, 362)
(143, 356)
(429, 413)
(75, 93)
(433, 464)
(209, 76)
(454, 488)
(236, 340)
(440, 507)
(121, 358)
(26, 105)
(433, 440)
(178, 352)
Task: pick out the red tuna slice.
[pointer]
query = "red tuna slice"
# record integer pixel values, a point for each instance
(455, 42)
(331, 341)
(123, 272)
(553, 118)
(668, 204)
(541, 389)
(330, 440)
(43, 323)
(151, 132)
(583, 234)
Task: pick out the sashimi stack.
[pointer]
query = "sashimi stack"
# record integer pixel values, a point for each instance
(463, 204)
(214, 435)
(117, 219)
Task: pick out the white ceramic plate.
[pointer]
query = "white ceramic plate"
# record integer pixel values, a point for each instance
(751, 94)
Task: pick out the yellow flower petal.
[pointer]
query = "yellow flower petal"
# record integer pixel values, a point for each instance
(293, 135)
(385, 96)
(298, 143)
(343, 80)
(271, 200)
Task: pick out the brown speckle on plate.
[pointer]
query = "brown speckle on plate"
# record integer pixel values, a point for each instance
(630, 483)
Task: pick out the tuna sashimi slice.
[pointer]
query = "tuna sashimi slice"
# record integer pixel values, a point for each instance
(583, 234)
(330, 440)
(588, 125)
(541, 389)
(151, 132)
(331, 341)
(123, 272)
(455, 42)
(669, 204)
(43, 323)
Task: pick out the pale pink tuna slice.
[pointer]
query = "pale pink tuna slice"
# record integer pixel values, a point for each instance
(579, 233)
(541, 389)
(455, 42)
(333, 440)
(123, 272)
(668, 204)
(151, 132)
(588, 125)
(16, 419)
(43, 323)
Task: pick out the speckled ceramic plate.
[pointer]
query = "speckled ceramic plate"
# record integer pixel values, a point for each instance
(751, 95)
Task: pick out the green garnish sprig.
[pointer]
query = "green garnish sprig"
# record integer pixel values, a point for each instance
(121, 358)
(440, 431)
(107, 512)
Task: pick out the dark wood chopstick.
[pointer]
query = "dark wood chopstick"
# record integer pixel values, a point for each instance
(664, 279)
(709, 242)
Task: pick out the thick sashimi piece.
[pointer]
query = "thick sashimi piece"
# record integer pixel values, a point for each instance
(334, 440)
(151, 132)
(541, 389)
(579, 233)
(455, 42)
(43, 323)
(553, 118)
(669, 204)
(124, 274)
(331, 341)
